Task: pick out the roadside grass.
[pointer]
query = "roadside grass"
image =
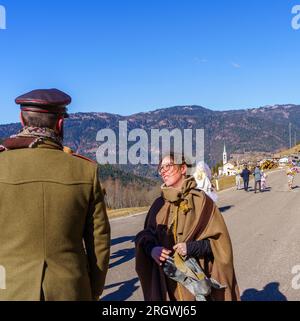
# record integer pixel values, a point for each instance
(225, 182)
(126, 211)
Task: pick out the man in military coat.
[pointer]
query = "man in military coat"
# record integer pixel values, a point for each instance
(55, 234)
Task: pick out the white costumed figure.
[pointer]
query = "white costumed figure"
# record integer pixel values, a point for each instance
(203, 177)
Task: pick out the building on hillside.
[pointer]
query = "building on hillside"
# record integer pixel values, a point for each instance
(283, 161)
(225, 159)
(228, 168)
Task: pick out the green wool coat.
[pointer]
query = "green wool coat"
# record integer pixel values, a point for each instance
(55, 234)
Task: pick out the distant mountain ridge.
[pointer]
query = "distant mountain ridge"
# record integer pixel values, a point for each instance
(256, 129)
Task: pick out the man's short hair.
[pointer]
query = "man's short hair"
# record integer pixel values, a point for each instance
(44, 120)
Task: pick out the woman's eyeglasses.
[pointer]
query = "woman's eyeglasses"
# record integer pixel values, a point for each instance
(165, 168)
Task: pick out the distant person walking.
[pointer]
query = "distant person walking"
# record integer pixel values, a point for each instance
(245, 175)
(263, 180)
(257, 178)
(291, 172)
(238, 181)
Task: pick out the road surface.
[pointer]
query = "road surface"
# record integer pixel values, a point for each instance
(265, 233)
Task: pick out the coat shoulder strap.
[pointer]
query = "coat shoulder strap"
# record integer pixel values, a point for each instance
(68, 150)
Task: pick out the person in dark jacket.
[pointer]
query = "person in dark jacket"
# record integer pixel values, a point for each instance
(245, 175)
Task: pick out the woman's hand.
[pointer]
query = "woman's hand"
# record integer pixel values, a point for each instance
(160, 254)
(181, 249)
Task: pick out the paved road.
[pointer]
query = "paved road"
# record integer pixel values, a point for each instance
(265, 232)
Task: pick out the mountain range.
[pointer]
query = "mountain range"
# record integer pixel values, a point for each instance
(264, 129)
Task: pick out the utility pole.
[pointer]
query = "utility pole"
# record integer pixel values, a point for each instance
(290, 133)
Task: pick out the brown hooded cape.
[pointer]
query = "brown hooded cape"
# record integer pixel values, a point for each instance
(198, 218)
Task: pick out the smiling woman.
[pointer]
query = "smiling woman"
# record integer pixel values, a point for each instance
(183, 222)
(2, 17)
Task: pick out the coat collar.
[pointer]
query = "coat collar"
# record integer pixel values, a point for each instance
(30, 142)
(173, 195)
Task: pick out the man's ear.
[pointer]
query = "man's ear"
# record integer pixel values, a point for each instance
(183, 169)
(59, 124)
(22, 119)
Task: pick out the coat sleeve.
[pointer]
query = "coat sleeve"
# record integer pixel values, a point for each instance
(97, 239)
(223, 267)
(145, 267)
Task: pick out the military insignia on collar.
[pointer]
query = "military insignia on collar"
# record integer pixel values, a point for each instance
(184, 207)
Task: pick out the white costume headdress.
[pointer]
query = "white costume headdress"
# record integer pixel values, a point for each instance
(203, 177)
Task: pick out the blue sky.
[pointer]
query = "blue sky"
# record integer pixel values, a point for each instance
(129, 56)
